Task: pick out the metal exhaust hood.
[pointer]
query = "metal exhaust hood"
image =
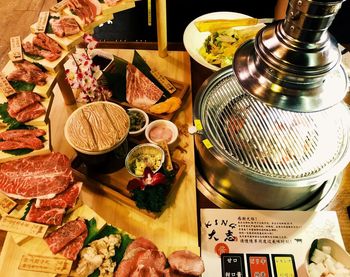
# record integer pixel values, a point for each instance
(294, 64)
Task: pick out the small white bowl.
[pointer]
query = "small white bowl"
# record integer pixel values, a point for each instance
(163, 127)
(337, 252)
(145, 116)
(143, 155)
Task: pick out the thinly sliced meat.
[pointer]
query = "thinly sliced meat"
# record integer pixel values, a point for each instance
(21, 100)
(140, 91)
(27, 142)
(72, 249)
(141, 252)
(64, 26)
(41, 176)
(137, 244)
(31, 49)
(63, 200)
(58, 239)
(31, 112)
(47, 43)
(152, 258)
(146, 271)
(186, 262)
(111, 2)
(173, 273)
(57, 27)
(13, 134)
(49, 216)
(28, 72)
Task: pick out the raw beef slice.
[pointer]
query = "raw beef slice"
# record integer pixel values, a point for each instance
(63, 200)
(72, 249)
(140, 91)
(41, 176)
(49, 216)
(60, 238)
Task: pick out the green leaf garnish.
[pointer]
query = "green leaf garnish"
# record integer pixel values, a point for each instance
(20, 85)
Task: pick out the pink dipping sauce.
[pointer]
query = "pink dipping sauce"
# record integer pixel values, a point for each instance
(160, 132)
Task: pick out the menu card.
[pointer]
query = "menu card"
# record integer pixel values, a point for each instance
(238, 243)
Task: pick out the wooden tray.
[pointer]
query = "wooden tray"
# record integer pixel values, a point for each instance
(114, 184)
(181, 92)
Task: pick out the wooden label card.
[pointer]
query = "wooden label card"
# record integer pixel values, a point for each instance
(11, 224)
(5, 86)
(45, 264)
(16, 49)
(59, 6)
(42, 22)
(6, 204)
(164, 81)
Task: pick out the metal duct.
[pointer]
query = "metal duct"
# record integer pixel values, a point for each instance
(294, 64)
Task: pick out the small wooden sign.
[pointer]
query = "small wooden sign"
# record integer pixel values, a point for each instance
(42, 22)
(5, 86)
(59, 6)
(11, 224)
(16, 53)
(45, 264)
(6, 204)
(164, 81)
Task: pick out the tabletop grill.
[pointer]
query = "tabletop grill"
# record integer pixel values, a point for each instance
(275, 139)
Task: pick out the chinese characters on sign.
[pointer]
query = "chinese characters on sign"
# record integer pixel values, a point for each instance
(250, 230)
(45, 264)
(261, 243)
(15, 225)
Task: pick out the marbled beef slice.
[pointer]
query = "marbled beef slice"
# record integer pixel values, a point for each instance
(41, 176)
(58, 239)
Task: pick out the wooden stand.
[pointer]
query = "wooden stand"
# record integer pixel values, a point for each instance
(161, 28)
(65, 88)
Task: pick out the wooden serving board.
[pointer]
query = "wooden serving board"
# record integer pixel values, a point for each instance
(89, 28)
(67, 43)
(120, 6)
(16, 246)
(115, 186)
(41, 120)
(53, 66)
(4, 157)
(181, 92)
(45, 90)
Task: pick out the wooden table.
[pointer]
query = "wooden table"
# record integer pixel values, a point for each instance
(176, 228)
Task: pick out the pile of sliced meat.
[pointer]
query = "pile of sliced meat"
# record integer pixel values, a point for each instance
(69, 239)
(51, 211)
(43, 46)
(87, 10)
(29, 73)
(140, 91)
(21, 139)
(142, 258)
(65, 26)
(25, 106)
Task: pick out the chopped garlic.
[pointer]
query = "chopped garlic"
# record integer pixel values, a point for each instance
(99, 255)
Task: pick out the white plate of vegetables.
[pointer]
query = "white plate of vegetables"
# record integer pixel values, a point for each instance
(215, 50)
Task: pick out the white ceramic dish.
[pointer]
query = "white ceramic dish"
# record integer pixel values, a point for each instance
(193, 39)
(161, 123)
(139, 151)
(140, 131)
(337, 252)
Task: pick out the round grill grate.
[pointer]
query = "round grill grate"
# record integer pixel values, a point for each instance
(267, 140)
